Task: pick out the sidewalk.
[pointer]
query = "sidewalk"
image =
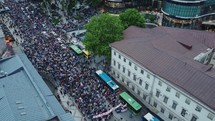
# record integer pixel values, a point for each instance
(69, 104)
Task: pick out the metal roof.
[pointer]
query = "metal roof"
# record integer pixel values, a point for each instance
(24, 96)
(159, 50)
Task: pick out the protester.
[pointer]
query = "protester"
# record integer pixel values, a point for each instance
(47, 49)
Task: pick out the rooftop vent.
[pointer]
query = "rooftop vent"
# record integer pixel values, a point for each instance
(18, 102)
(20, 108)
(186, 45)
(23, 113)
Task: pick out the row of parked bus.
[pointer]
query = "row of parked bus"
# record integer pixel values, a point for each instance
(79, 51)
(132, 104)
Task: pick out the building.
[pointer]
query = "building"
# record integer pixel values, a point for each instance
(191, 14)
(118, 6)
(170, 70)
(24, 96)
(2, 42)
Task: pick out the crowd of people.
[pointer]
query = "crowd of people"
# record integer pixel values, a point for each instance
(47, 49)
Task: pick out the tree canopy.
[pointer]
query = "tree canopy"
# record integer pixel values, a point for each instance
(132, 17)
(101, 31)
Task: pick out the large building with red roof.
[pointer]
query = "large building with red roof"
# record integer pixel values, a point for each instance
(170, 70)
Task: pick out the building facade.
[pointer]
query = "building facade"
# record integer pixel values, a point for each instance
(118, 6)
(190, 14)
(167, 98)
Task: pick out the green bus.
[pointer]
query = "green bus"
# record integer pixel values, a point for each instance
(76, 49)
(132, 104)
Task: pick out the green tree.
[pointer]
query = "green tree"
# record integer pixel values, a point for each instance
(132, 17)
(95, 3)
(101, 31)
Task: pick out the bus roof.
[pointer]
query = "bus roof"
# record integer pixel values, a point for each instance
(86, 52)
(76, 49)
(104, 76)
(130, 101)
(150, 117)
(113, 85)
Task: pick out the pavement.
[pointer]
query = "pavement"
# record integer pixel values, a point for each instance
(69, 104)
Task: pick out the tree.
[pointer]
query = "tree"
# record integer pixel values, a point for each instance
(95, 3)
(132, 17)
(101, 31)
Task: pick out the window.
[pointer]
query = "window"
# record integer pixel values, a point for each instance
(144, 97)
(155, 104)
(168, 89)
(148, 76)
(183, 112)
(118, 66)
(142, 72)
(138, 92)
(124, 60)
(158, 93)
(113, 72)
(210, 116)
(146, 86)
(123, 69)
(135, 67)
(162, 110)
(141, 82)
(170, 116)
(119, 56)
(114, 62)
(133, 87)
(128, 84)
(187, 101)
(123, 80)
(177, 94)
(194, 118)
(160, 83)
(114, 53)
(174, 105)
(198, 108)
(165, 99)
(129, 63)
(129, 73)
(134, 77)
(117, 75)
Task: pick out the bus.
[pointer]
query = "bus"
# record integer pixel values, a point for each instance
(86, 53)
(76, 49)
(132, 104)
(149, 117)
(107, 80)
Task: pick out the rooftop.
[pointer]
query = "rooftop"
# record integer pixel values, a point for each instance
(169, 53)
(24, 96)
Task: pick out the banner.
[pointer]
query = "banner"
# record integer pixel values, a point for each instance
(109, 111)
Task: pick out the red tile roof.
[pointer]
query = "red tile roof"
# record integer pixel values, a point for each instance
(160, 51)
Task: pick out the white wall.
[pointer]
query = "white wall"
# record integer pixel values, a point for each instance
(154, 86)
